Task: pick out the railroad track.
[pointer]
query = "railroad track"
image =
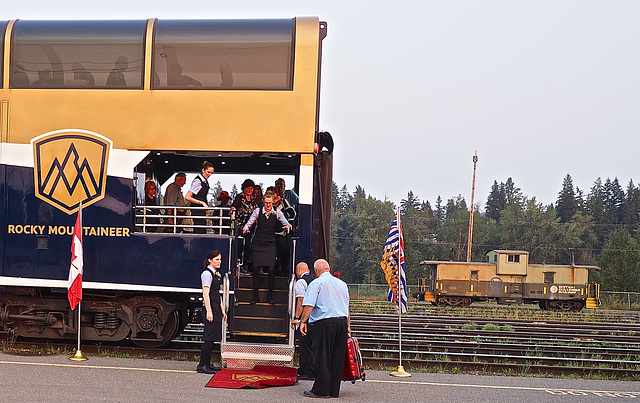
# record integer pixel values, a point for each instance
(497, 345)
(494, 311)
(433, 341)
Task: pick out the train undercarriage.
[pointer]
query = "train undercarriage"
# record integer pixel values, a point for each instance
(547, 305)
(148, 321)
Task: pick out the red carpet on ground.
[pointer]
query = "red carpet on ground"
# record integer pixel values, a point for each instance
(261, 376)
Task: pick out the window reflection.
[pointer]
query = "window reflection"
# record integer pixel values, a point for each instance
(78, 54)
(223, 54)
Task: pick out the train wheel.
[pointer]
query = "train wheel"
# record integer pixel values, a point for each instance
(577, 306)
(169, 331)
(441, 301)
(566, 306)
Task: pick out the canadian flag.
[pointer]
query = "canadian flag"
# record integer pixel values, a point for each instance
(74, 286)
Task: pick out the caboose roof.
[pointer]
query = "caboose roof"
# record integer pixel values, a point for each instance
(452, 262)
(501, 251)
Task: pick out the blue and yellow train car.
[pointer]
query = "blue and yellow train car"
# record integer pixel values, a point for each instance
(90, 111)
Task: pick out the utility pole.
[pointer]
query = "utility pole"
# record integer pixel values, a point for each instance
(473, 196)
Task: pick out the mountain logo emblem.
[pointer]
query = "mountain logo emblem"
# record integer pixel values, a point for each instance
(70, 166)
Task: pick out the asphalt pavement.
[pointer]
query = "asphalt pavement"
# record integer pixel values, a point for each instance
(54, 378)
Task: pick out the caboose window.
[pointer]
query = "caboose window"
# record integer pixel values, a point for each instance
(513, 258)
(474, 274)
(78, 54)
(549, 277)
(223, 54)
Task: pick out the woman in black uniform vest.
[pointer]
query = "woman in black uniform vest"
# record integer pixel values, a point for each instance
(263, 246)
(197, 196)
(212, 311)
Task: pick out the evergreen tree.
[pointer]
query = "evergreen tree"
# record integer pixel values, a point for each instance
(344, 198)
(439, 211)
(453, 233)
(410, 203)
(214, 192)
(580, 200)
(495, 202)
(631, 208)
(533, 228)
(613, 200)
(620, 263)
(334, 196)
(456, 205)
(566, 205)
(425, 207)
(512, 194)
(500, 197)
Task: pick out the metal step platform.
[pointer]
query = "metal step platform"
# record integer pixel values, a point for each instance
(246, 355)
(260, 333)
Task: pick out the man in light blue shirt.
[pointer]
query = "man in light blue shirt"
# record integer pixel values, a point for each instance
(325, 316)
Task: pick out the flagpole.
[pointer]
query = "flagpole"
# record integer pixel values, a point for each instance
(78, 356)
(400, 372)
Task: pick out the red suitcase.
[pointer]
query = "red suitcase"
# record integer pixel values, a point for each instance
(353, 368)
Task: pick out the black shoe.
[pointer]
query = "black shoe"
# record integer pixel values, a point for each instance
(216, 366)
(270, 300)
(204, 369)
(254, 301)
(306, 378)
(308, 393)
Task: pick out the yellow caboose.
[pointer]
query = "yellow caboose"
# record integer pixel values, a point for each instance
(508, 278)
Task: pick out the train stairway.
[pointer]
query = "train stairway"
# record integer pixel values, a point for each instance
(260, 333)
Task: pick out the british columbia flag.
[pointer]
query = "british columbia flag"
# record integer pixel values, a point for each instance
(393, 265)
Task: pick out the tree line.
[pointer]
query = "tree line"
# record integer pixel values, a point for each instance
(601, 227)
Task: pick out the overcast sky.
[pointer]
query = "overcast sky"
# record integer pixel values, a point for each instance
(410, 89)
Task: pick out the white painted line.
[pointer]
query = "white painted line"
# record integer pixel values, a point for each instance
(42, 364)
(553, 391)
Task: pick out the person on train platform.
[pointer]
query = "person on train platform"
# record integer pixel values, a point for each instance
(81, 76)
(175, 78)
(212, 312)
(325, 317)
(243, 206)
(116, 76)
(45, 79)
(150, 190)
(288, 194)
(224, 198)
(197, 197)
(263, 246)
(257, 194)
(173, 197)
(305, 351)
(283, 238)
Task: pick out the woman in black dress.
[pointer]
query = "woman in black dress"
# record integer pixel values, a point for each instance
(197, 197)
(212, 311)
(263, 246)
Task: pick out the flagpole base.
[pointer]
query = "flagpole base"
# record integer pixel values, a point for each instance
(78, 356)
(400, 372)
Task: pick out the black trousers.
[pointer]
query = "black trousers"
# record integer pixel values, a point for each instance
(212, 333)
(305, 353)
(329, 337)
(199, 218)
